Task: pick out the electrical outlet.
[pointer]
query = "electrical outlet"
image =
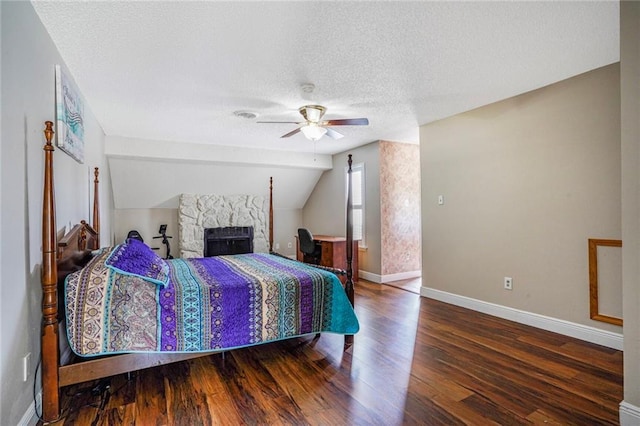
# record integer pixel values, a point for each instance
(277, 246)
(26, 365)
(508, 283)
(289, 245)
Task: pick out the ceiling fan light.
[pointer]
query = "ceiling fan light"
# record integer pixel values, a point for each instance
(312, 113)
(313, 132)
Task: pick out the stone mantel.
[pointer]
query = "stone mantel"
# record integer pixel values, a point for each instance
(197, 212)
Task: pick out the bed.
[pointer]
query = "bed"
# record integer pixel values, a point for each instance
(128, 309)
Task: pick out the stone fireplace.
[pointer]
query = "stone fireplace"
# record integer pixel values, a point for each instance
(199, 212)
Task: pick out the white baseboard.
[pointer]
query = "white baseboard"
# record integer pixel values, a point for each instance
(374, 278)
(380, 279)
(30, 418)
(401, 276)
(629, 414)
(567, 328)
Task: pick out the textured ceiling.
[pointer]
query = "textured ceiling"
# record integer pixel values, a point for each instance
(178, 70)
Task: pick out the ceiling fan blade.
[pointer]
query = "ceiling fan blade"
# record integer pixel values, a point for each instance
(333, 134)
(280, 122)
(347, 122)
(291, 133)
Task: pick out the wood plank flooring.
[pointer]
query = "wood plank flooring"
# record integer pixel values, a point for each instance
(415, 361)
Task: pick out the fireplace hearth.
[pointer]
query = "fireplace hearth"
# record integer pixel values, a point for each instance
(228, 240)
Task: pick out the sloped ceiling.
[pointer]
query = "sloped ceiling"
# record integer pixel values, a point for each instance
(153, 174)
(158, 184)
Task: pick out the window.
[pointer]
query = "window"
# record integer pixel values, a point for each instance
(357, 202)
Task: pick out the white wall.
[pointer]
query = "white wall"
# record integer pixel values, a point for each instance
(526, 182)
(325, 210)
(140, 184)
(147, 221)
(285, 229)
(153, 174)
(2, 355)
(149, 176)
(28, 59)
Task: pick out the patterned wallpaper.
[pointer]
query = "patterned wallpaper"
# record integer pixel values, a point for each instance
(400, 207)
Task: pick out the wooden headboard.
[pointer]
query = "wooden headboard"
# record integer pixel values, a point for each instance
(81, 237)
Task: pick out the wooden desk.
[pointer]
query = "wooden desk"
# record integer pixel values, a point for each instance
(334, 253)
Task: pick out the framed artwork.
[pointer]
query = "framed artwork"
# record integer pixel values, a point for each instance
(594, 299)
(69, 117)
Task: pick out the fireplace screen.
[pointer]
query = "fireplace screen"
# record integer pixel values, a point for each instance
(228, 240)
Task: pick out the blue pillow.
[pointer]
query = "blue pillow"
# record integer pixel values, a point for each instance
(135, 258)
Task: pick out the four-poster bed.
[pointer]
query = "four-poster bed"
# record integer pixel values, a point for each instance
(85, 237)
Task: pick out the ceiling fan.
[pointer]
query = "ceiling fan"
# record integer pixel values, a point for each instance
(314, 128)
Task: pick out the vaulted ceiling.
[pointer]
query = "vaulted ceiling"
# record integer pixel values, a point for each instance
(177, 71)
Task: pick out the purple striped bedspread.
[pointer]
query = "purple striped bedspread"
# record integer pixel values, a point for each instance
(208, 304)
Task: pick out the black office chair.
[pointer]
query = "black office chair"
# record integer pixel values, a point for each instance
(311, 251)
(135, 235)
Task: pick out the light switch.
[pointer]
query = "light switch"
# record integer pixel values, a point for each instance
(440, 200)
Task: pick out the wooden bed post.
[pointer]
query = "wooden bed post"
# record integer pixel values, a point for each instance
(348, 286)
(271, 214)
(49, 280)
(96, 206)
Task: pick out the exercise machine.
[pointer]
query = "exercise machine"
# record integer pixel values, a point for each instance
(165, 240)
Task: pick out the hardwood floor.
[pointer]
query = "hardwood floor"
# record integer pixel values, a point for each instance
(415, 361)
(412, 284)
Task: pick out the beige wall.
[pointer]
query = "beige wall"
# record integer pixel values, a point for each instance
(400, 208)
(325, 210)
(630, 107)
(526, 182)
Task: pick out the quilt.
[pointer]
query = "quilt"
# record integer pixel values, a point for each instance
(198, 304)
